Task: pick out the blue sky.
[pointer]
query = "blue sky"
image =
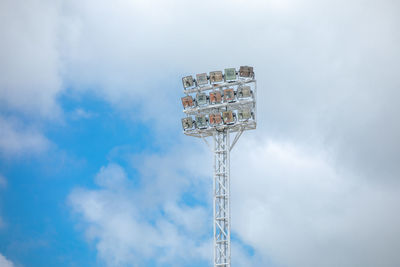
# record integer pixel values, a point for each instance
(95, 169)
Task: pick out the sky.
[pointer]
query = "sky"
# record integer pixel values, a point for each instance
(95, 169)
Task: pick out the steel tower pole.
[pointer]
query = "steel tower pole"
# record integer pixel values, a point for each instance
(222, 212)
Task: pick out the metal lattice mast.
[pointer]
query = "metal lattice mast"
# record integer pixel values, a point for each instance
(222, 215)
(230, 107)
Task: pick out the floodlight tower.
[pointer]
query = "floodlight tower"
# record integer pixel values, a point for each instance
(217, 105)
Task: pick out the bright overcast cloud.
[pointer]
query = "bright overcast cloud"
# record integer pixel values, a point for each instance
(317, 184)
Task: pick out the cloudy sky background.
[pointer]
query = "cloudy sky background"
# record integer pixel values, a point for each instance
(94, 168)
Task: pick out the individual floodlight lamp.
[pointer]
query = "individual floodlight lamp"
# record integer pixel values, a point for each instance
(230, 74)
(187, 81)
(243, 91)
(219, 106)
(228, 117)
(229, 95)
(215, 119)
(246, 71)
(244, 114)
(201, 122)
(215, 97)
(187, 123)
(216, 76)
(187, 102)
(201, 79)
(201, 99)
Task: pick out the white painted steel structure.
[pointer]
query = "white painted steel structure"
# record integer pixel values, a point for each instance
(221, 149)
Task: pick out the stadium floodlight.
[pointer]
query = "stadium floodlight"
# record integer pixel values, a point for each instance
(244, 92)
(201, 99)
(187, 81)
(201, 79)
(228, 117)
(244, 114)
(229, 95)
(223, 105)
(216, 76)
(201, 122)
(187, 123)
(187, 101)
(246, 71)
(230, 74)
(215, 97)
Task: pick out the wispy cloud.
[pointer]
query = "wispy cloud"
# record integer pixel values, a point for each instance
(81, 113)
(5, 262)
(16, 139)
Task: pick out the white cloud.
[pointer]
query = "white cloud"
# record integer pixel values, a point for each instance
(325, 73)
(17, 139)
(30, 80)
(29, 66)
(295, 209)
(289, 204)
(4, 262)
(135, 226)
(328, 79)
(112, 176)
(325, 183)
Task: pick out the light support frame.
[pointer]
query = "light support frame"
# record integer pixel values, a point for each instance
(221, 150)
(245, 103)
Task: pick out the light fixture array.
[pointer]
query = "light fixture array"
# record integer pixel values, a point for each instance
(218, 101)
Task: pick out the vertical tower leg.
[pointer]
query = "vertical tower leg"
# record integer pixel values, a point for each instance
(222, 227)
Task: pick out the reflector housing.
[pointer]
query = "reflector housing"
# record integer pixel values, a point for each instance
(229, 95)
(230, 74)
(246, 71)
(187, 101)
(187, 81)
(244, 92)
(201, 78)
(201, 121)
(215, 76)
(215, 119)
(244, 114)
(227, 116)
(215, 97)
(201, 99)
(187, 123)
